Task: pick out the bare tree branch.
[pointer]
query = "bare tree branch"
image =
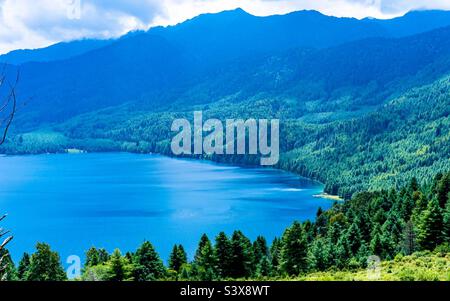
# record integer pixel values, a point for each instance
(9, 105)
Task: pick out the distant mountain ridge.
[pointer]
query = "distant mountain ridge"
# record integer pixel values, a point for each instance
(235, 33)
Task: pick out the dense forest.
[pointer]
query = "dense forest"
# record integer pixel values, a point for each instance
(405, 228)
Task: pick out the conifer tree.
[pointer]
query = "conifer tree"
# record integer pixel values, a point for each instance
(204, 260)
(24, 266)
(45, 265)
(178, 258)
(319, 254)
(118, 264)
(147, 264)
(294, 250)
(263, 268)
(430, 226)
(222, 253)
(376, 244)
(275, 255)
(260, 250)
(103, 256)
(92, 257)
(242, 256)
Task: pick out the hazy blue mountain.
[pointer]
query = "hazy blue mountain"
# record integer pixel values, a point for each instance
(414, 22)
(236, 33)
(153, 73)
(59, 51)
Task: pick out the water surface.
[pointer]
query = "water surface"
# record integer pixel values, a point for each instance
(115, 200)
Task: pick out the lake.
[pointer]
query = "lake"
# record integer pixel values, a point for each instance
(118, 200)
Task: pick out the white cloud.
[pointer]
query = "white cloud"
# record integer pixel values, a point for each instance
(38, 23)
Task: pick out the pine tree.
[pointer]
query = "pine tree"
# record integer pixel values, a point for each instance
(321, 222)
(430, 226)
(103, 256)
(242, 256)
(294, 251)
(147, 264)
(222, 252)
(390, 236)
(118, 266)
(353, 238)
(178, 258)
(263, 268)
(260, 250)
(45, 265)
(204, 260)
(319, 254)
(24, 266)
(92, 257)
(376, 244)
(275, 255)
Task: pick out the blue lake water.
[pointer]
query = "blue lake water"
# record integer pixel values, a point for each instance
(119, 200)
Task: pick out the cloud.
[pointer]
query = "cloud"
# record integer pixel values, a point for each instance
(38, 23)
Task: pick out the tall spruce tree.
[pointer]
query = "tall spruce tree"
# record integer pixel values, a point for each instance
(430, 226)
(275, 255)
(260, 250)
(118, 267)
(242, 256)
(319, 254)
(222, 252)
(294, 250)
(178, 258)
(148, 265)
(204, 260)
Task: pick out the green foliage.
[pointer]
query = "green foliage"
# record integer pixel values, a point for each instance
(118, 265)
(147, 264)
(422, 266)
(45, 265)
(430, 226)
(24, 266)
(204, 260)
(178, 258)
(294, 250)
(242, 259)
(222, 252)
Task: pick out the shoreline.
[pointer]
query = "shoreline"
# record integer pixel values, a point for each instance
(327, 196)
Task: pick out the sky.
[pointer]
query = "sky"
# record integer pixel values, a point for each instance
(28, 24)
